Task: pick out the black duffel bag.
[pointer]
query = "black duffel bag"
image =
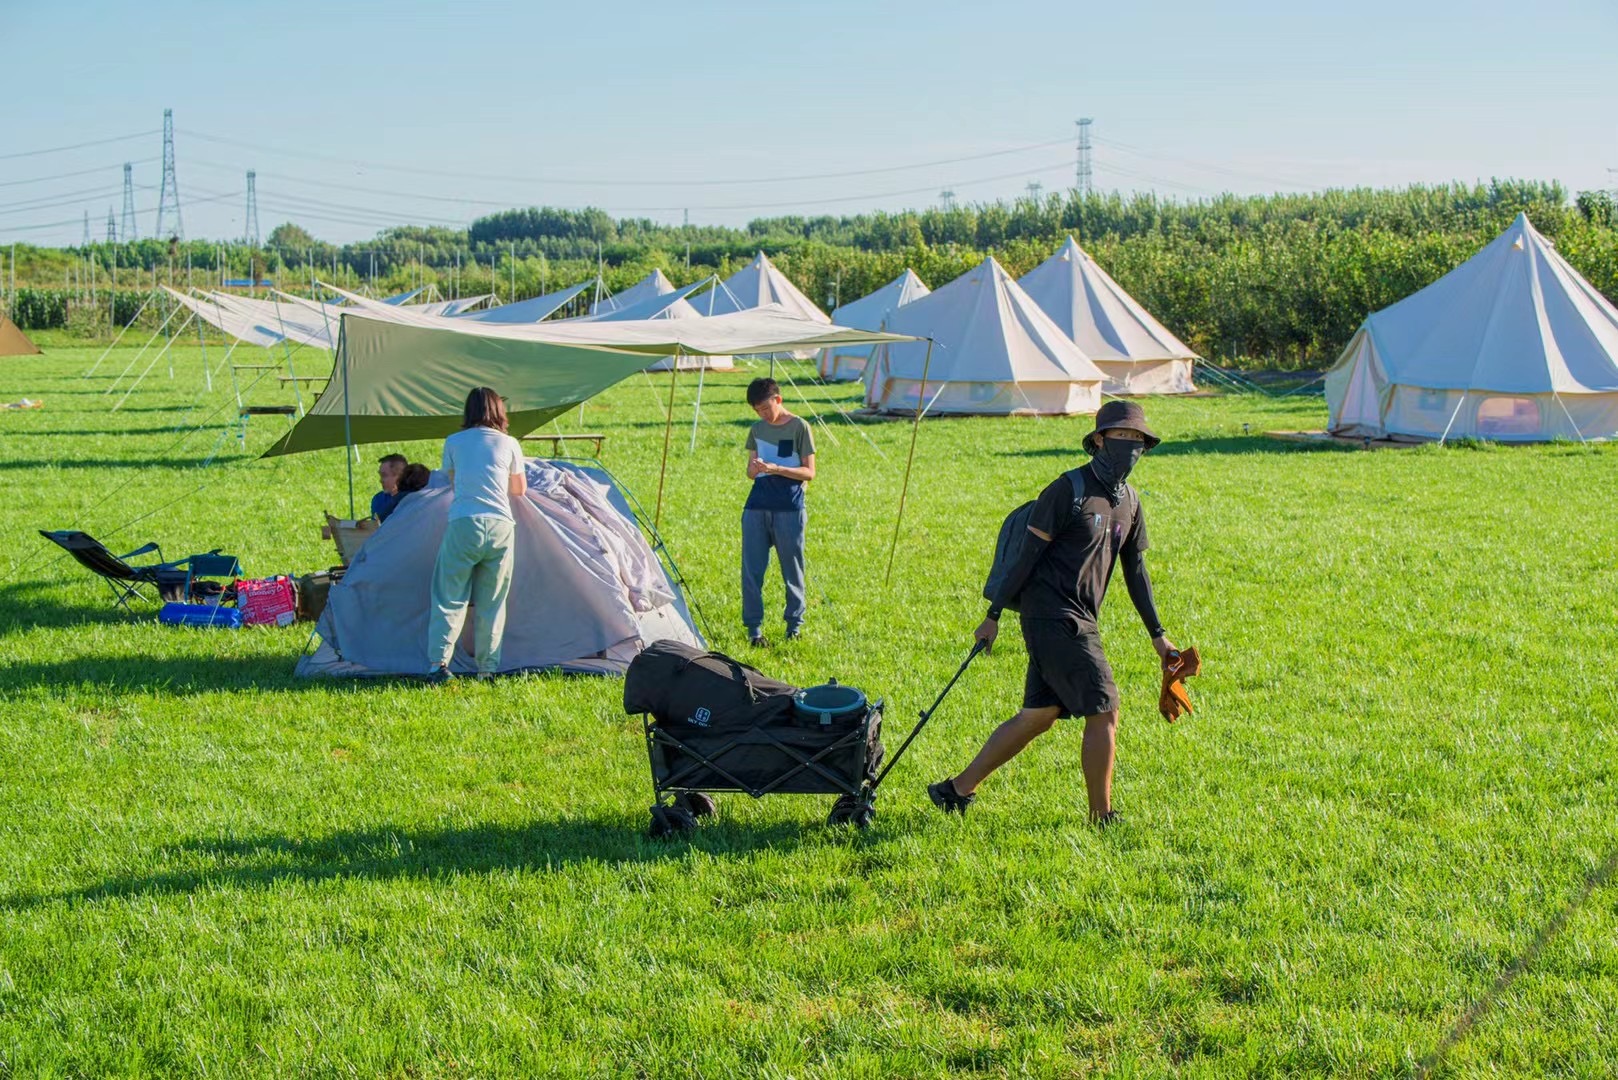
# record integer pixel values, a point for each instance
(684, 687)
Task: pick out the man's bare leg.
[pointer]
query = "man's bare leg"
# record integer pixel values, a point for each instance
(1100, 742)
(1007, 742)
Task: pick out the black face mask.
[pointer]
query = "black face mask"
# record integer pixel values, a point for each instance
(1113, 461)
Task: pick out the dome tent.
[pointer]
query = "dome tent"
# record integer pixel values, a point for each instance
(1511, 345)
(869, 312)
(587, 591)
(1135, 351)
(994, 352)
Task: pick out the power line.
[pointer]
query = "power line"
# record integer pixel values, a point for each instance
(76, 146)
(616, 182)
(69, 175)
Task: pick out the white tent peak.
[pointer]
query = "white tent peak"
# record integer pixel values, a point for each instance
(994, 351)
(1138, 353)
(654, 284)
(869, 312)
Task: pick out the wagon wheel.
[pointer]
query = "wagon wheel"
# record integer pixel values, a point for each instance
(863, 816)
(669, 821)
(696, 804)
(842, 811)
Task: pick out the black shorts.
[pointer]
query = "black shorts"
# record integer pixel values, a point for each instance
(1067, 668)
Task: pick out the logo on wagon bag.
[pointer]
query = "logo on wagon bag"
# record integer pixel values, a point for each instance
(701, 717)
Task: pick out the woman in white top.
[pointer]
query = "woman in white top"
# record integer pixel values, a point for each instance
(485, 468)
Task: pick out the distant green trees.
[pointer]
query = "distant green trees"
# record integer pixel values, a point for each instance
(1279, 280)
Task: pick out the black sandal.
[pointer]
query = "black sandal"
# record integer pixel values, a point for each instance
(947, 799)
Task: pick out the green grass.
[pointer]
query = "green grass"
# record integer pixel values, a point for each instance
(1401, 768)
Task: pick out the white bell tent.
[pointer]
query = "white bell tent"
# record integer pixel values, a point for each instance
(994, 352)
(867, 313)
(1511, 345)
(652, 285)
(1137, 353)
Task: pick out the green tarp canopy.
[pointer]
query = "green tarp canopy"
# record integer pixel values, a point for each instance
(400, 376)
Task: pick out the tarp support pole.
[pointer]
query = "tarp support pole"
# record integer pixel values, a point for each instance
(348, 433)
(121, 332)
(668, 432)
(696, 413)
(915, 427)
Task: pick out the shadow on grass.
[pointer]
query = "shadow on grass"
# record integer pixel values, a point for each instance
(29, 605)
(386, 854)
(109, 464)
(1221, 444)
(173, 675)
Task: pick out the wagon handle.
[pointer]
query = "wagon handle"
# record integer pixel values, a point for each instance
(927, 714)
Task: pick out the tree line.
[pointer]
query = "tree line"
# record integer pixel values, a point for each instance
(1278, 280)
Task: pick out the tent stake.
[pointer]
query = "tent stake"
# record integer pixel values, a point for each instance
(915, 426)
(668, 432)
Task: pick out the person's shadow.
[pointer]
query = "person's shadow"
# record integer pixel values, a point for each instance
(386, 853)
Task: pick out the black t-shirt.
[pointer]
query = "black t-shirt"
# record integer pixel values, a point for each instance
(1070, 581)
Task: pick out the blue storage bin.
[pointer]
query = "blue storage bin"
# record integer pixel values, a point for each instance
(176, 614)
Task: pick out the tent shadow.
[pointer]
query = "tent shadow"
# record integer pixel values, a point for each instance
(172, 675)
(386, 853)
(109, 464)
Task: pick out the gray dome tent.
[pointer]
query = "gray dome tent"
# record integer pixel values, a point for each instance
(588, 593)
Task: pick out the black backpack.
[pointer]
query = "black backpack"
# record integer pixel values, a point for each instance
(683, 685)
(1008, 545)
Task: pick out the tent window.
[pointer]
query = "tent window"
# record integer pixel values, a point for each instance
(1433, 401)
(981, 392)
(1508, 416)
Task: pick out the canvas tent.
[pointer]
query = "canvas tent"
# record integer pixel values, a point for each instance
(994, 352)
(1137, 353)
(1512, 345)
(13, 342)
(867, 313)
(760, 284)
(398, 376)
(668, 306)
(653, 284)
(587, 591)
(533, 310)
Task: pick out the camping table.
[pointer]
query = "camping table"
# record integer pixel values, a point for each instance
(556, 441)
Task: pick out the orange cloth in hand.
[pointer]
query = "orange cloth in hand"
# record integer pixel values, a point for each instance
(1173, 702)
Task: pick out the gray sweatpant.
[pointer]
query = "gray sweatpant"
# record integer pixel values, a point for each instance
(762, 530)
(474, 563)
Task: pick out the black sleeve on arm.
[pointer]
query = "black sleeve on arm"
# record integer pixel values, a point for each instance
(1140, 591)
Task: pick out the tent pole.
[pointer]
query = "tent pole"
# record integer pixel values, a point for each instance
(915, 427)
(348, 430)
(696, 414)
(668, 432)
(1452, 417)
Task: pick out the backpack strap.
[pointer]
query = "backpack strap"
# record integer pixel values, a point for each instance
(1075, 477)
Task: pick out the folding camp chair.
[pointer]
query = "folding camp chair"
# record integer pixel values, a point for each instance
(349, 536)
(172, 580)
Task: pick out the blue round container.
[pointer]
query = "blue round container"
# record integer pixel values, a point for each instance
(828, 703)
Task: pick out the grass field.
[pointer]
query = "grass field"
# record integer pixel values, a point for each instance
(1402, 773)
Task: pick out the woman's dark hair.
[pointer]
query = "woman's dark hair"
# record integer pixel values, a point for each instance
(415, 478)
(484, 409)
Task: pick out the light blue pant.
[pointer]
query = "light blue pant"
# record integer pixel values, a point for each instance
(782, 530)
(474, 562)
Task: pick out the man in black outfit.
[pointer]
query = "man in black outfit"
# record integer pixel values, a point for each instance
(1058, 583)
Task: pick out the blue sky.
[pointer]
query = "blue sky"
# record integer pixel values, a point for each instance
(359, 116)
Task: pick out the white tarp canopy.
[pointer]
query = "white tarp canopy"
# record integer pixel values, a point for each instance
(672, 305)
(1137, 353)
(533, 310)
(1512, 344)
(265, 322)
(403, 297)
(653, 284)
(449, 307)
(867, 313)
(587, 592)
(994, 352)
(406, 376)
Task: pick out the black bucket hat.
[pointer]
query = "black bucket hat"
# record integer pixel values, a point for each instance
(1120, 413)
